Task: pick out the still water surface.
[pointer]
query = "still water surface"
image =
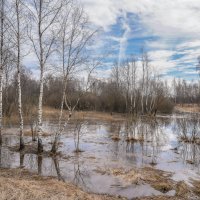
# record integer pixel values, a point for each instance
(160, 148)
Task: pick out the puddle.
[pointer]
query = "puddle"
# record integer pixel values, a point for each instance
(159, 148)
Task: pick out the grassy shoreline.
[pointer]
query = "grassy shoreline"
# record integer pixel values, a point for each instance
(20, 184)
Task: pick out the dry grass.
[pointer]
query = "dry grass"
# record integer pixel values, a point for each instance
(187, 108)
(161, 198)
(138, 176)
(104, 116)
(131, 139)
(18, 184)
(53, 114)
(184, 139)
(163, 187)
(49, 112)
(158, 179)
(196, 188)
(29, 133)
(115, 137)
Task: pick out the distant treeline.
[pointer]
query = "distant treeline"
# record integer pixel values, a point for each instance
(185, 92)
(103, 95)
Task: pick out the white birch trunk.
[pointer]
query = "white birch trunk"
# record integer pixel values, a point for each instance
(1, 110)
(39, 120)
(1, 66)
(20, 108)
(58, 133)
(19, 78)
(41, 59)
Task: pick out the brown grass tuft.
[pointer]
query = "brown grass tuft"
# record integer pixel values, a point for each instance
(115, 137)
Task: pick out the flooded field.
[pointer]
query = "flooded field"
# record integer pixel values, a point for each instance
(115, 156)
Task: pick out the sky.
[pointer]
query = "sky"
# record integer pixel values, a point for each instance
(169, 30)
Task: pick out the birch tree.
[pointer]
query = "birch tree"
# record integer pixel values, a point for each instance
(125, 71)
(1, 63)
(143, 81)
(4, 49)
(17, 26)
(133, 86)
(18, 35)
(147, 82)
(9, 69)
(74, 37)
(84, 88)
(42, 34)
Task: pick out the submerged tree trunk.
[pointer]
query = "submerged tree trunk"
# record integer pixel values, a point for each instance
(57, 136)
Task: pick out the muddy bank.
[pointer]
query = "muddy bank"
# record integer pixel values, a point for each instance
(20, 184)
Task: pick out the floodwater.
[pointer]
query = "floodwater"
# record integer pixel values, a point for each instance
(159, 147)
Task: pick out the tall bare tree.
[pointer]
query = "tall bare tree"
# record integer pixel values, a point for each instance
(143, 81)
(43, 16)
(17, 26)
(2, 35)
(74, 37)
(133, 78)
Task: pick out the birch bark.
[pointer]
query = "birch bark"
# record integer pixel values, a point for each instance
(1, 66)
(18, 35)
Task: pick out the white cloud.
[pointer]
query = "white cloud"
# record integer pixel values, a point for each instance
(164, 18)
(103, 13)
(176, 23)
(189, 44)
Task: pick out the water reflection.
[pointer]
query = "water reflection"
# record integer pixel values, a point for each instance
(190, 153)
(39, 162)
(188, 129)
(21, 159)
(0, 155)
(141, 142)
(57, 167)
(79, 174)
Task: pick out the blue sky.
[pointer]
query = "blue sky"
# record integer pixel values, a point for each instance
(168, 29)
